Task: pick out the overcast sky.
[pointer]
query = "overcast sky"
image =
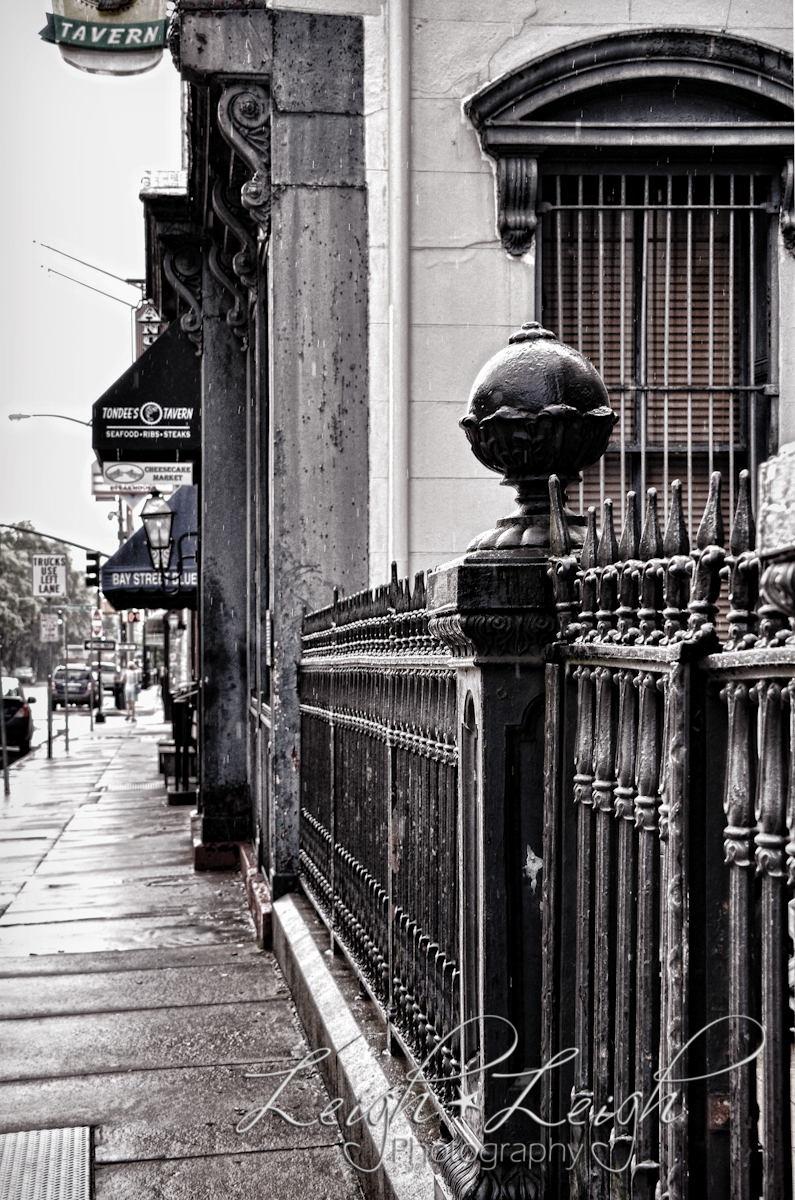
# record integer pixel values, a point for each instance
(73, 148)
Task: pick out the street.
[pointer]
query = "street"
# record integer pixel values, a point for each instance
(135, 1000)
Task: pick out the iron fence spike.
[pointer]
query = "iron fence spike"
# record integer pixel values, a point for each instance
(651, 545)
(677, 540)
(710, 531)
(743, 535)
(589, 546)
(630, 534)
(607, 553)
(559, 537)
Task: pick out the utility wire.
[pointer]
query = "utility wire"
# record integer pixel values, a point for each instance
(139, 283)
(52, 271)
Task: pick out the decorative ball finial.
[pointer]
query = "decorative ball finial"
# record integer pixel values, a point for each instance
(537, 408)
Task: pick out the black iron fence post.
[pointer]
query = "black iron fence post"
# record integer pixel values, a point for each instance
(496, 616)
(537, 408)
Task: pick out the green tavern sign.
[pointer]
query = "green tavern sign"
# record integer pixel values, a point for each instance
(91, 35)
(108, 37)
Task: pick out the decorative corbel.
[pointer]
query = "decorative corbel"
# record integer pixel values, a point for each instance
(244, 263)
(183, 270)
(517, 184)
(173, 38)
(788, 207)
(237, 315)
(244, 121)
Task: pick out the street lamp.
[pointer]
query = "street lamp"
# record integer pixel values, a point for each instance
(157, 519)
(58, 417)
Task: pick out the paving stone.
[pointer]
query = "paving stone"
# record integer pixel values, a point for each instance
(245, 1032)
(171, 1113)
(167, 987)
(81, 937)
(320, 1174)
(131, 960)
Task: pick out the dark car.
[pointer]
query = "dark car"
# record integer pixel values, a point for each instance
(80, 686)
(16, 709)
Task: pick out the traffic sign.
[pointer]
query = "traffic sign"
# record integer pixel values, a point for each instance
(96, 623)
(48, 574)
(49, 627)
(98, 644)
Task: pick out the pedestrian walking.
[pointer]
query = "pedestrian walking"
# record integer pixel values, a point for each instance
(130, 680)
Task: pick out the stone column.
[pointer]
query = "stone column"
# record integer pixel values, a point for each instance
(224, 801)
(318, 352)
(537, 408)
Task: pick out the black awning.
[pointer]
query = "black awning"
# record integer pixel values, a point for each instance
(152, 412)
(130, 581)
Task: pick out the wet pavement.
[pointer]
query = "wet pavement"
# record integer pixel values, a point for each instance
(133, 996)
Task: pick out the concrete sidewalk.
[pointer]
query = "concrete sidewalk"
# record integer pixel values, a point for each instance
(133, 996)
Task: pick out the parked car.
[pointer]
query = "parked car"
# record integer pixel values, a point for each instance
(109, 677)
(16, 710)
(80, 686)
(24, 674)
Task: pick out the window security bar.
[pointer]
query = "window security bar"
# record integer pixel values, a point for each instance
(666, 282)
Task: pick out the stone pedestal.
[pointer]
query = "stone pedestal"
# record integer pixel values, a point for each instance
(496, 613)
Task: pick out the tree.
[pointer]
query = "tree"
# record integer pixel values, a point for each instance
(19, 611)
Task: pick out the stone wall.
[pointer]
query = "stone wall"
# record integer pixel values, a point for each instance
(467, 294)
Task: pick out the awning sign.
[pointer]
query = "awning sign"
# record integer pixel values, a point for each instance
(133, 478)
(152, 413)
(147, 424)
(48, 574)
(128, 580)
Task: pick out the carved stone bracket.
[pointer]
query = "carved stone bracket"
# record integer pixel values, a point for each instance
(244, 121)
(173, 38)
(517, 182)
(183, 270)
(244, 263)
(237, 315)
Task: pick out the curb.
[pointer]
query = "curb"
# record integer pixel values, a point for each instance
(214, 856)
(225, 856)
(351, 1071)
(259, 897)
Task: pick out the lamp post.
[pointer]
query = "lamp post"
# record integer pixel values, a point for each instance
(3, 742)
(157, 520)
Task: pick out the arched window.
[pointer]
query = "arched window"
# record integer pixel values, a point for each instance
(647, 170)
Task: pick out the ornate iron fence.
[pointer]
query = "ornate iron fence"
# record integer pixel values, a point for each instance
(659, 961)
(379, 829)
(669, 780)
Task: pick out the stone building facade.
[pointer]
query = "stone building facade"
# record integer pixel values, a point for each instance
(375, 196)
